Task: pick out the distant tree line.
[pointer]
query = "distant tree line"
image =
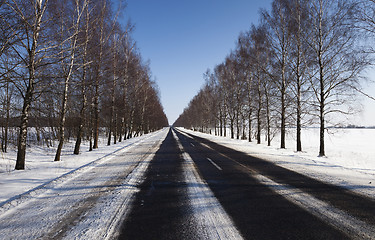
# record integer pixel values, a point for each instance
(70, 67)
(302, 65)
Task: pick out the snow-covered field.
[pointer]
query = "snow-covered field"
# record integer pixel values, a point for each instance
(349, 161)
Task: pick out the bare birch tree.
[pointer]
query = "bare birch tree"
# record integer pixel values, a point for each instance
(82, 79)
(299, 61)
(69, 33)
(32, 53)
(280, 42)
(337, 60)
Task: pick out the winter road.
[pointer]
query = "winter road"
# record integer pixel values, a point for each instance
(175, 185)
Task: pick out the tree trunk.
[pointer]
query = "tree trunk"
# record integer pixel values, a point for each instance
(64, 104)
(299, 78)
(121, 130)
(282, 145)
(221, 124)
(259, 117)
(225, 126)
(21, 153)
(268, 126)
(268, 116)
(243, 128)
(96, 115)
(299, 144)
(115, 129)
(322, 123)
(110, 128)
(231, 128)
(83, 89)
(238, 126)
(79, 140)
(322, 92)
(259, 127)
(125, 132)
(5, 144)
(112, 121)
(321, 137)
(81, 122)
(250, 126)
(91, 127)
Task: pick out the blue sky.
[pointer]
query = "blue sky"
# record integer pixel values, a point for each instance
(183, 38)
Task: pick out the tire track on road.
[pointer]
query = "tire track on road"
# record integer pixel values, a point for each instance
(354, 204)
(259, 211)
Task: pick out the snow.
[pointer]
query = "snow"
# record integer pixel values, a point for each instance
(209, 215)
(105, 219)
(41, 168)
(339, 219)
(100, 197)
(349, 161)
(81, 206)
(344, 171)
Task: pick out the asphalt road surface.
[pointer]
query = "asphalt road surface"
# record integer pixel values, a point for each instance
(172, 184)
(262, 200)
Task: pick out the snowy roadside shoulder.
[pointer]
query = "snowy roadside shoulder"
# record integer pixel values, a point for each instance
(42, 172)
(350, 162)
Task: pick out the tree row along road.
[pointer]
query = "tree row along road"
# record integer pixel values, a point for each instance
(175, 185)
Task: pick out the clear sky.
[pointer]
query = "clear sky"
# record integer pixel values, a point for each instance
(183, 38)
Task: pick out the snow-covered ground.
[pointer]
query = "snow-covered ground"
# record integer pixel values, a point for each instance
(41, 168)
(349, 161)
(101, 182)
(85, 201)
